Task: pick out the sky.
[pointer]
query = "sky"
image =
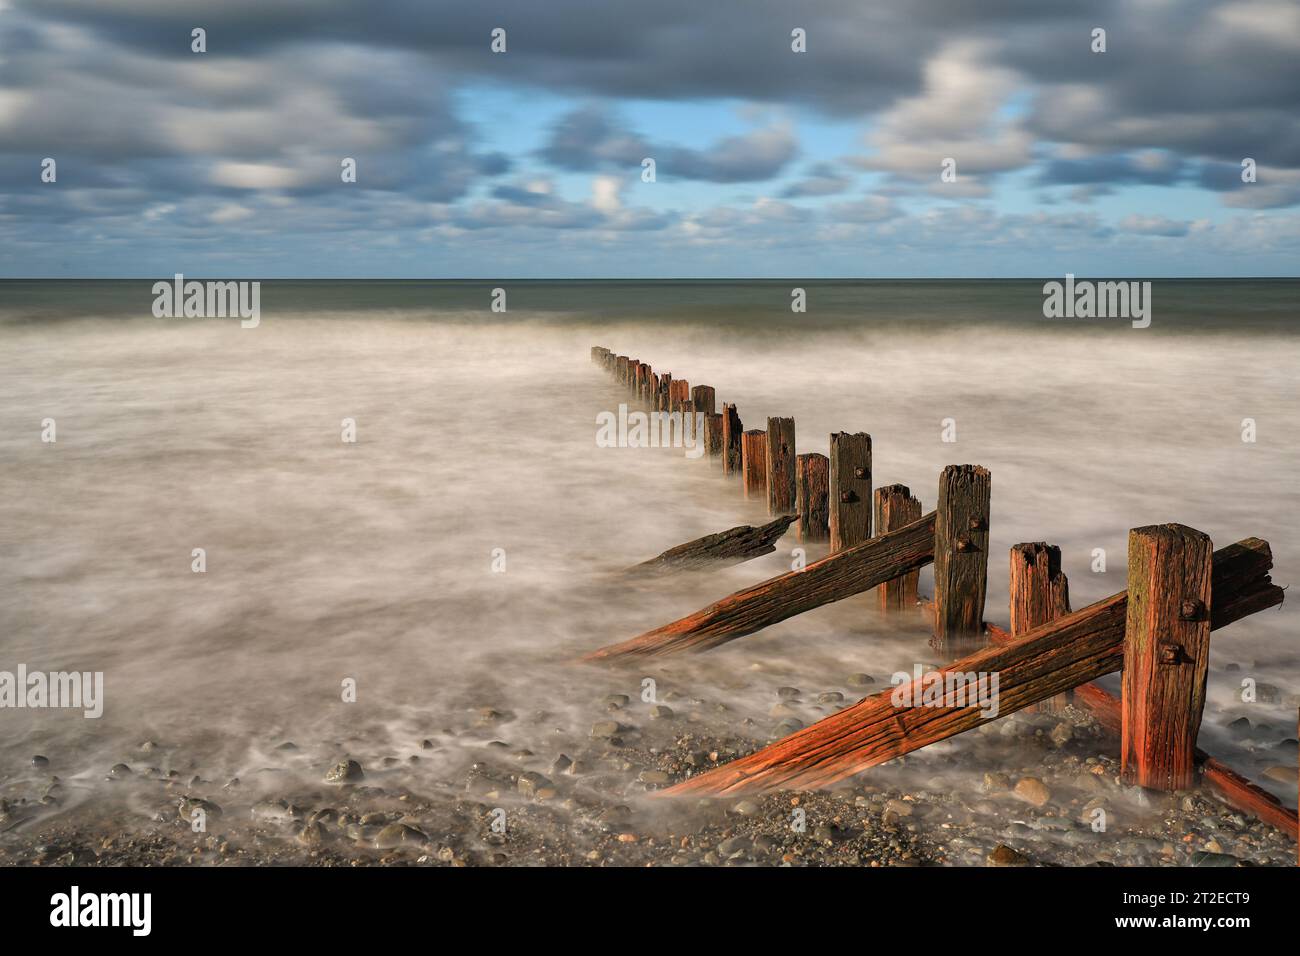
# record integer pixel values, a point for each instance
(769, 161)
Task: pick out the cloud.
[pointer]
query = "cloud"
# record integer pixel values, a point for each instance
(589, 139)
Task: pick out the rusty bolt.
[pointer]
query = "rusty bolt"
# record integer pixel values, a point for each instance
(848, 496)
(1170, 653)
(861, 473)
(1191, 610)
(977, 523)
(964, 543)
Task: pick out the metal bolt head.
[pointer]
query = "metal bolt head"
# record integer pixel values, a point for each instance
(964, 543)
(861, 473)
(1170, 653)
(1191, 610)
(977, 523)
(847, 496)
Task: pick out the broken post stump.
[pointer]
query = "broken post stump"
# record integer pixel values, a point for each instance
(811, 492)
(731, 441)
(1053, 657)
(1166, 654)
(850, 489)
(718, 550)
(704, 398)
(753, 466)
(833, 578)
(687, 411)
(1039, 593)
(780, 466)
(894, 508)
(665, 391)
(961, 558)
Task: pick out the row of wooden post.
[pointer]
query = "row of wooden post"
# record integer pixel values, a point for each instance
(833, 495)
(1166, 642)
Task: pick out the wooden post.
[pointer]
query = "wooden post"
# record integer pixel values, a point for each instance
(895, 507)
(687, 411)
(629, 374)
(678, 393)
(780, 466)
(812, 488)
(961, 559)
(713, 435)
(1039, 593)
(1166, 654)
(753, 467)
(665, 389)
(705, 399)
(850, 489)
(731, 432)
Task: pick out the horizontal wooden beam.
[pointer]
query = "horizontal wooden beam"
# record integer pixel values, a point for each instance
(1049, 659)
(831, 579)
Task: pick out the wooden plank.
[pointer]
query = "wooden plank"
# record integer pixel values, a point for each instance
(780, 466)
(811, 491)
(961, 553)
(679, 394)
(732, 429)
(753, 463)
(894, 508)
(1166, 654)
(1051, 658)
(1039, 593)
(831, 579)
(850, 489)
(718, 550)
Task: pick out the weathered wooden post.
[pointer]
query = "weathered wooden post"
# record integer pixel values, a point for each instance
(629, 375)
(1166, 654)
(780, 466)
(961, 558)
(665, 390)
(1039, 593)
(713, 434)
(753, 467)
(705, 399)
(811, 491)
(850, 489)
(679, 394)
(687, 411)
(894, 508)
(731, 432)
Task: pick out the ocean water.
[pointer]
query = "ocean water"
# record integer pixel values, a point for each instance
(378, 562)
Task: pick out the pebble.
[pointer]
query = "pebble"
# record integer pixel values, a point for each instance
(656, 778)
(398, 834)
(344, 771)
(40, 763)
(746, 808)
(860, 680)
(830, 697)
(605, 728)
(1003, 855)
(996, 782)
(661, 712)
(788, 693)
(1032, 790)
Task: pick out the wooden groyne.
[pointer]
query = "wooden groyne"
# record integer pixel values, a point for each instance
(1156, 631)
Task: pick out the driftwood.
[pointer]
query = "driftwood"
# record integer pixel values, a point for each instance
(833, 578)
(1049, 659)
(717, 550)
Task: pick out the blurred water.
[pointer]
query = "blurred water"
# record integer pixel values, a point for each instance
(373, 561)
